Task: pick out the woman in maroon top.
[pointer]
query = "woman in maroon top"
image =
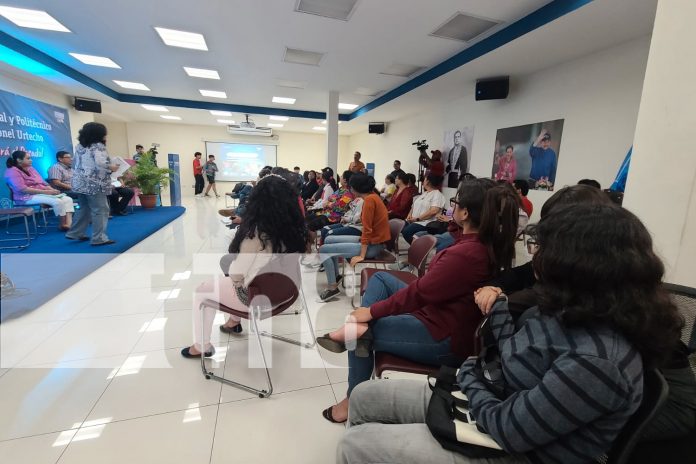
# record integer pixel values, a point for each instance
(402, 200)
(434, 317)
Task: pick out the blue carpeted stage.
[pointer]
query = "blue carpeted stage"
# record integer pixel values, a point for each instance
(38, 279)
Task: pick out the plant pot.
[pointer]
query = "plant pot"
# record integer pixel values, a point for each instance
(148, 201)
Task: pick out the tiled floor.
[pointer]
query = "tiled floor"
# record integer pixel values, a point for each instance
(95, 375)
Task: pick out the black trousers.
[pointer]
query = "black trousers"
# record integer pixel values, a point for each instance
(125, 194)
(200, 183)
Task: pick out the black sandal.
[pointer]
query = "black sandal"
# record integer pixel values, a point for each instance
(330, 344)
(327, 413)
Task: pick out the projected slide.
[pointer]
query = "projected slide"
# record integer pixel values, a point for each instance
(240, 161)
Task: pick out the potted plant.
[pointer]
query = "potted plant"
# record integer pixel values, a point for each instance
(147, 177)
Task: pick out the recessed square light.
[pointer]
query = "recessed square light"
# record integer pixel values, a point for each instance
(213, 93)
(131, 85)
(155, 108)
(202, 73)
(272, 124)
(225, 121)
(324, 121)
(278, 118)
(319, 128)
(220, 113)
(284, 100)
(167, 116)
(346, 106)
(95, 60)
(34, 19)
(182, 39)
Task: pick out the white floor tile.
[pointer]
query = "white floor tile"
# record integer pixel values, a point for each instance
(182, 437)
(173, 329)
(124, 302)
(90, 338)
(336, 365)
(339, 390)
(42, 449)
(19, 338)
(36, 401)
(164, 382)
(286, 428)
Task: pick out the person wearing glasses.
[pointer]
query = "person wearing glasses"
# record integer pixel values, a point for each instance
(434, 317)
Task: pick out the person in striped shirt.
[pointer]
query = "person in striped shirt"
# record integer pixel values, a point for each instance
(575, 369)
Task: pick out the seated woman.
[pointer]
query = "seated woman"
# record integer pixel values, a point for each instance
(333, 208)
(369, 245)
(310, 186)
(574, 371)
(272, 224)
(426, 207)
(328, 187)
(435, 316)
(350, 223)
(388, 189)
(29, 188)
(402, 200)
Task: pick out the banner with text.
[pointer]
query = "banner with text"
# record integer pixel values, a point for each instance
(38, 128)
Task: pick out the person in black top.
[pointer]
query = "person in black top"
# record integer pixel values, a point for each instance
(310, 187)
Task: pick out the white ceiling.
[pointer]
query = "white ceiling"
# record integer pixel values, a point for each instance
(247, 40)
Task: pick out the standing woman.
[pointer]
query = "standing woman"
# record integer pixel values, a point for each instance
(92, 182)
(29, 188)
(210, 170)
(198, 173)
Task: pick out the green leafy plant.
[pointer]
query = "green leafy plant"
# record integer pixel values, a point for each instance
(146, 176)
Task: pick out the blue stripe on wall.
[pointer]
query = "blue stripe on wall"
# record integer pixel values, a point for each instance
(538, 18)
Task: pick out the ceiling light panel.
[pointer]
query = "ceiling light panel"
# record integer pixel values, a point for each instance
(132, 85)
(213, 93)
(202, 73)
(402, 70)
(95, 60)
(155, 108)
(33, 19)
(334, 9)
(182, 39)
(297, 56)
(319, 128)
(346, 106)
(284, 100)
(291, 84)
(225, 121)
(463, 27)
(220, 113)
(278, 118)
(173, 118)
(273, 124)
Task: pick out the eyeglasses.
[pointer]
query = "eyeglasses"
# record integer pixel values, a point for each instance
(532, 245)
(453, 202)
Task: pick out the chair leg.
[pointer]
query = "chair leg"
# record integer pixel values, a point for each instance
(254, 316)
(26, 238)
(305, 310)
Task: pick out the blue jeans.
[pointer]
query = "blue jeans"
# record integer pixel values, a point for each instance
(339, 229)
(412, 229)
(402, 335)
(93, 208)
(343, 246)
(445, 240)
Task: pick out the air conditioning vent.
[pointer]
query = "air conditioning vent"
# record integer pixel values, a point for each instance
(236, 129)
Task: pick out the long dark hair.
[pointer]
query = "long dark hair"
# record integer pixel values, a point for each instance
(573, 195)
(91, 133)
(273, 215)
(14, 160)
(494, 210)
(596, 266)
(327, 175)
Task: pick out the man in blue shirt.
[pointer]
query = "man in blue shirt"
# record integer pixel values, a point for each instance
(543, 159)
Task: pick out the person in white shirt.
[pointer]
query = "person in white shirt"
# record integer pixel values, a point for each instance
(426, 207)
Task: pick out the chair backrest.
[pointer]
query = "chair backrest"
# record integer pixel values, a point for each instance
(685, 299)
(279, 289)
(419, 251)
(11, 193)
(395, 228)
(655, 391)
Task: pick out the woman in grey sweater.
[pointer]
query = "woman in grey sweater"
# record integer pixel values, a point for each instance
(575, 369)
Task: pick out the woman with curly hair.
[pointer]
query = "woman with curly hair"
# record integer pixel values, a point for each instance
(273, 224)
(574, 371)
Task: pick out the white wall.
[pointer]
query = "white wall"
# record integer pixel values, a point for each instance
(661, 186)
(308, 151)
(29, 90)
(597, 95)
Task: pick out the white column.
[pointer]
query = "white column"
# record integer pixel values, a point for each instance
(661, 187)
(332, 132)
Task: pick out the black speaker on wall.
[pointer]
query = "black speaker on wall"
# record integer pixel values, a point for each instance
(91, 106)
(492, 89)
(376, 128)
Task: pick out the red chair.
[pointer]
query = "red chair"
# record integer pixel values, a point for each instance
(270, 293)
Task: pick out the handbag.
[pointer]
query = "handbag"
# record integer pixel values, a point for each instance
(448, 417)
(436, 227)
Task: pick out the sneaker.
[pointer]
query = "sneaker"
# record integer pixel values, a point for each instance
(217, 196)
(328, 294)
(321, 268)
(206, 195)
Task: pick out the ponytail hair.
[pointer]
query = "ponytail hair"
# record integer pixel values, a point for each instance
(15, 158)
(498, 229)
